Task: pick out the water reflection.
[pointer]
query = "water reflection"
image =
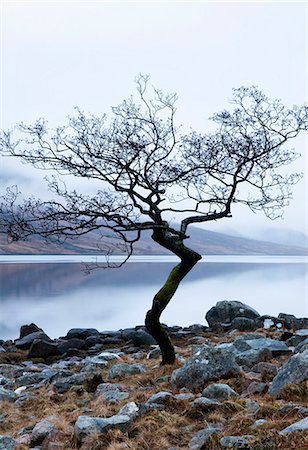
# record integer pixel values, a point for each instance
(60, 296)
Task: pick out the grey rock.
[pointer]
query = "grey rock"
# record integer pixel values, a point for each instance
(292, 408)
(86, 425)
(29, 378)
(102, 359)
(204, 404)
(42, 349)
(276, 347)
(25, 330)
(7, 443)
(238, 442)
(265, 368)
(219, 391)
(295, 370)
(200, 439)
(225, 311)
(256, 388)
(258, 423)
(184, 396)
(41, 430)
(300, 345)
(301, 425)
(252, 407)
(81, 333)
(2, 350)
(208, 364)
(252, 357)
(138, 337)
(154, 353)
(69, 344)
(6, 395)
(243, 324)
(131, 410)
(111, 393)
(4, 380)
(160, 397)
(123, 370)
(291, 322)
(25, 342)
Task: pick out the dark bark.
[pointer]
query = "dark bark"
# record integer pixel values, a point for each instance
(174, 243)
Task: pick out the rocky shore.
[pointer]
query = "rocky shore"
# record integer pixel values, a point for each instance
(241, 382)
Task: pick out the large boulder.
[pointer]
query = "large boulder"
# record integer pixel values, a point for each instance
(295, 370)
(81, 333)
(42, 349)
(208, 364)
(225, 311)
(25, 330)
(25, 342)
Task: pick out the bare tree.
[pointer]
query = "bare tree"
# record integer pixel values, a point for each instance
(139, 157)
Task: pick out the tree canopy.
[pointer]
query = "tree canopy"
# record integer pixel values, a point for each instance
(145, 171)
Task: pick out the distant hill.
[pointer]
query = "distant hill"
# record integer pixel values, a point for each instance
(203, 241)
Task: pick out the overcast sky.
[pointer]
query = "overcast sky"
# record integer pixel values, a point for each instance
(57, 55)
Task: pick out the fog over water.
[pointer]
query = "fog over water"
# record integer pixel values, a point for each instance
(59, 296)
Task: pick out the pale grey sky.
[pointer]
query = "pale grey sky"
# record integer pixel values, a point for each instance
(57, 55)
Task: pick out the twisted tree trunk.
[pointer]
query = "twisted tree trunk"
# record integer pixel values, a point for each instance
(188, 258)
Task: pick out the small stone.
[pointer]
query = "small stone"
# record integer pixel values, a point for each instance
(41, 431)
(219, 391)
(301, 425)
(258, 423)
(6, 395)
(160, 398)
(124, 370)
(200, 439)
(204, 404)
(237, 442)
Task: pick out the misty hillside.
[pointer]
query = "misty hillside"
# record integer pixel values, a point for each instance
(203, 241)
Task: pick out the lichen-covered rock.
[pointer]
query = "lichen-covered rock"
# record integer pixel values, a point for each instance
(295, 370)
(208, 364)
(7, 443)
(225, 311)
(237, 442)
(123, 370)
(219, 391)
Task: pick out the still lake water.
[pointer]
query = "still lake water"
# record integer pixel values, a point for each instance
(54, 292)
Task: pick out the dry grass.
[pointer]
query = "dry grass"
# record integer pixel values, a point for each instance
(156, 430)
